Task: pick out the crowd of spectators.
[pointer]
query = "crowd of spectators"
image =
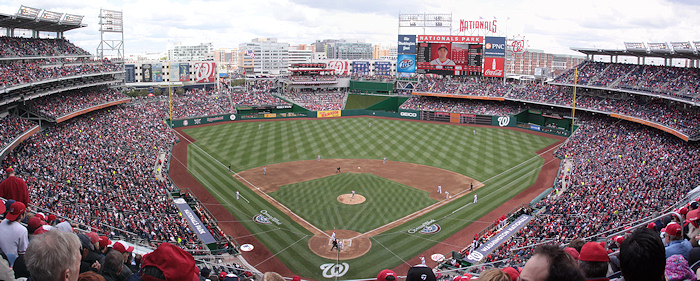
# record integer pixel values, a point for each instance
(12, 127)
(318, 100)
(677, 82)
(32, 47)
(60, 104)
(463, 86)
(256, 98)
(620, 173)
(195, 103)
(16, 73)
(96, 170)
(313, 78)
(461, 106)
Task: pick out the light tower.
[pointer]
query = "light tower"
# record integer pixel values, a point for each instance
(112, 37)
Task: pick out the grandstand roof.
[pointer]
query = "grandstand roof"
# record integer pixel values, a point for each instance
(639, 53)
(38, 24)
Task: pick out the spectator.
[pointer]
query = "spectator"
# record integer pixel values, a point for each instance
(114, 263)
(168, 262)
(14, 188)
(593, 261)
(677, 269)
(90, 276)
(551, 263)
(14, 235)
(54, 256)
(89, 259)
(386, 275)
(494, 274)
(420, 272)
(642, 256)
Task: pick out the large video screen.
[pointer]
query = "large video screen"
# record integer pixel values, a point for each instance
(449, 55)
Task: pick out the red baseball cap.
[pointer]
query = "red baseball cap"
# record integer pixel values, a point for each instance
(593, 251)
(122, 248)
(386, 275)
(16, 209)
(222, 275)
(43, 229)
(175, 263)
(683, 211)
(104, 241)
(651, 225)
(10, 170)
(94, 238)
(674, 229)
(571, 251)
(35, 222)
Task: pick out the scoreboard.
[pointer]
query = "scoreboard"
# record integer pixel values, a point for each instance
(449, 55)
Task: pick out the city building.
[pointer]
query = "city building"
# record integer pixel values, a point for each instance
(526, 63)
(300, 54)
(181, 52)
(263, 56)
(227, 59)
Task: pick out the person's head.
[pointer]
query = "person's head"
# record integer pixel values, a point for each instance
(674, 232)
(90, 276)
(386, 275)
(442, 52)
(168, 262)
(577, 244)
(643, 256)
(551, 263)
(593, 260)
(124, 250)
(16, 211)
(113, 262)
(54, 256)
(272, 276)
(10, 172)
(494, 274)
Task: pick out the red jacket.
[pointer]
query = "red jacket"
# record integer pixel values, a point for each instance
(16, 189)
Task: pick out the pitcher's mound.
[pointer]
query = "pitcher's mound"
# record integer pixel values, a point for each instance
(350, 247)
(347, 199)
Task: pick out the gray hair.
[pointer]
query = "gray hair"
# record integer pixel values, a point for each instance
(49, 254)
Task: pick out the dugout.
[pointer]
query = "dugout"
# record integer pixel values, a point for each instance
(263, 109)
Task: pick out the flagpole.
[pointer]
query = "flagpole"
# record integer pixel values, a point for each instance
(170, 92)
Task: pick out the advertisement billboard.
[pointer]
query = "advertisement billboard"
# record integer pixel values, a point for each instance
(495, 47)
(184, 70)
(174, 74)
(448, 58)
(494, 67)
(205, 72)
(406, 63)
(360, 67)
(146, 72)
(158, 72)
(382, 68)
(407, 44)
(340, 66)
(130, 71)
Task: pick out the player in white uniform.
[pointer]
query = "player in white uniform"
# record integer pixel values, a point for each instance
(384, 160)
(447, 195)
(442, 57)
(264, 170)
(474, 198)
(439, 189)
(353, 195)
(319, 158)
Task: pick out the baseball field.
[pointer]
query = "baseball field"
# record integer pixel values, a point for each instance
(290, 202)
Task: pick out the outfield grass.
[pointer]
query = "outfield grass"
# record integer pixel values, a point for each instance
(387, 201)
(504, 160)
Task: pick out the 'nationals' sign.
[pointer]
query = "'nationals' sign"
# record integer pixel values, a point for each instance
(450, 39)
(488, 25)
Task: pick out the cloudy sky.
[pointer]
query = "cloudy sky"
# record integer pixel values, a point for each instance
(553, 26)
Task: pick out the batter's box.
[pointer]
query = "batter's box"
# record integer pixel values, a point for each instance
(344, 244)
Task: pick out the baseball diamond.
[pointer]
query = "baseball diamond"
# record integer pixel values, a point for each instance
(421, 155)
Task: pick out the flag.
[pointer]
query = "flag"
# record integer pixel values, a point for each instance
(250, 54)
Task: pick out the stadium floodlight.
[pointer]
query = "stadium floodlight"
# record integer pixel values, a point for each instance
(659, 47)
(28, 12)
(110, 14)
(697, 45)
(635, 46)
(51, 16)
(72, 19)
(682, 47)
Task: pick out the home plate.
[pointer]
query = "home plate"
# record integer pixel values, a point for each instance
(247, 247)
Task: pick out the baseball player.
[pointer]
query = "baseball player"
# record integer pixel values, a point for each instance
(238, 194)
(447, 195)
(474, 198)
(264, 170)
(259, 126)
(422, 260)
(370, 124)
(353, 195)
(471, 186)
(332, 238)
(319, 158)
(474, 131)
(337, 170)
(439, 189)
(335, 245)
(229, 167)
(384, 160)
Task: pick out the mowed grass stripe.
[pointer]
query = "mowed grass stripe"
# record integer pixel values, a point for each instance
(327, 213)
(454, 148)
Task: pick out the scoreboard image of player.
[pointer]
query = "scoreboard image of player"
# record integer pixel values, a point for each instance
(449, 55)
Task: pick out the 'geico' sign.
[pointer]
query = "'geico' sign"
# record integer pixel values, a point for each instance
(409, 114)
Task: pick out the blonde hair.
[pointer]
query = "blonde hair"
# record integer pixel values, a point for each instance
(272, 276)
(494, 275)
